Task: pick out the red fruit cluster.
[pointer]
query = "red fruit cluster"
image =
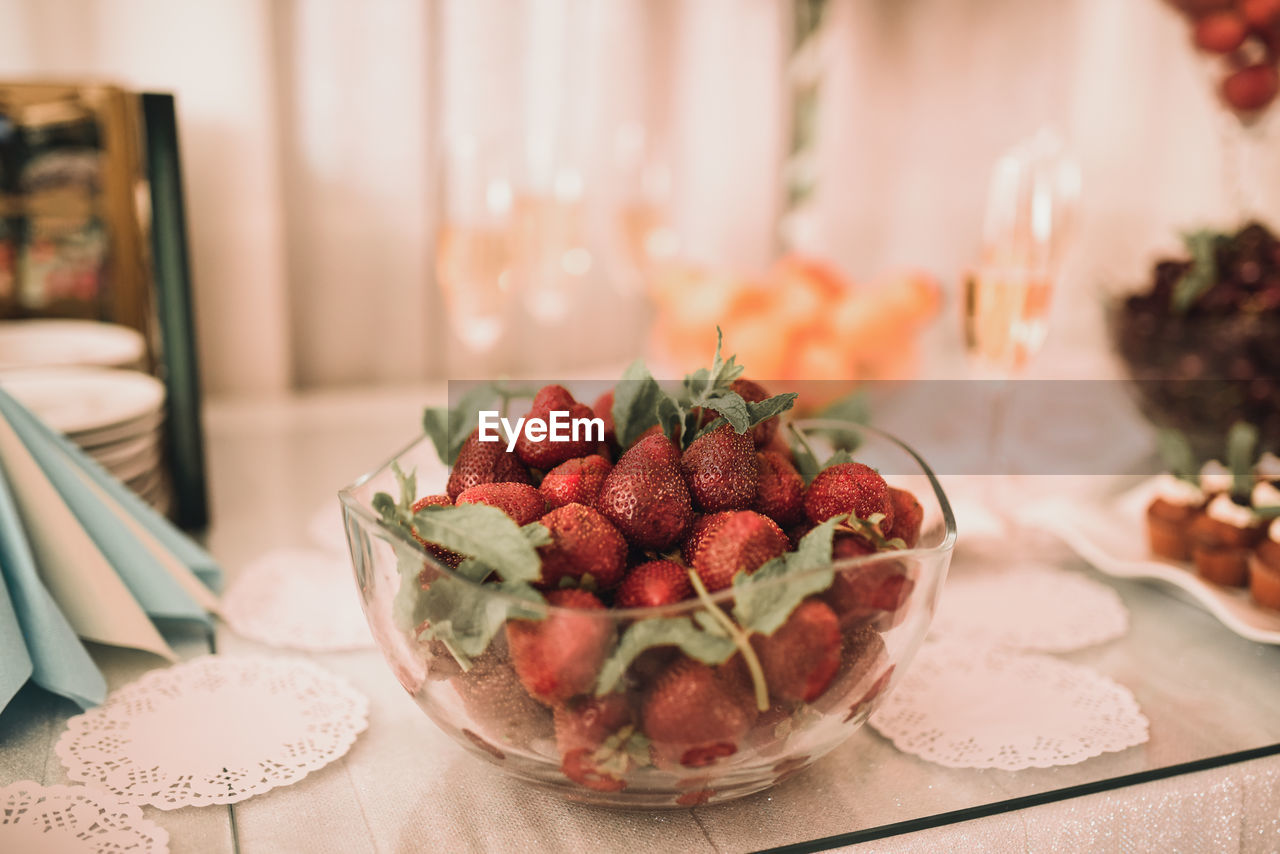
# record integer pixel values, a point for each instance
(730, 503)
(1246, 33)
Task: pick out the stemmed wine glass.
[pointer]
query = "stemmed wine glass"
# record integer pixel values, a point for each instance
(474, 242)
(1031, 205)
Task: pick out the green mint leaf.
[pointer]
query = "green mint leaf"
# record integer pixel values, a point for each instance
(405, 611)
(722, 373)
(1177, 455)
(761, 606)
(839, 458)
(449, 428)
(537, 534)
(636, 400)
(806, 461)
(680, 632)
(484, 533)
(732, 408)
(854, 408)
(408, 487)
(1242, 442)
(1203, 272)
(465, 617)
(765, 409)
(671, 416)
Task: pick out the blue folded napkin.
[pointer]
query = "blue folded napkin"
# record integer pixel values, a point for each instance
(157, 592)
(45, 442)
(36, 641)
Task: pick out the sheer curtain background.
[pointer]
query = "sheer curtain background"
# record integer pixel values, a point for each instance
(309, 132)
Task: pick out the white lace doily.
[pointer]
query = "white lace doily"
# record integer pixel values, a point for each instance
(74, 819)
(1031, 607)
(966, 706)
(299, 599)
(327, 529)
(214, 730)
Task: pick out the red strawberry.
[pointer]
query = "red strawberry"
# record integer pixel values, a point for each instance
(695, 715)
(752, 392)
(741, 543)
(863, 656)
(780, 493)
(582, 542)
(800, 658)
(698, 533)
(655, 430)
(603, 409)
(862, 592)
(560, 655)
(498, 704)
(848, 488)
(1250, 88)
(720, 470)
(544, 453)
(520, 501)
(658, 582)
(907, 517)
(1220, 32)
(578, 480)
(484, 462)
(646, 497)
(581, 729)
(440, 553)
(797, 532)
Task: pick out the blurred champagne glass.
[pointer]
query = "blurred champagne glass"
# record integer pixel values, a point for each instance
(474, 242)
(1031, 205)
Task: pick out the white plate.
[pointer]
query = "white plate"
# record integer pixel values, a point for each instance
(75, 400)
(47, 343)
(147, 425)
(1113, 538)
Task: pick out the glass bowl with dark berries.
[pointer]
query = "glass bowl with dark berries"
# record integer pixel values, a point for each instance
(685, 605)
(1202, 342)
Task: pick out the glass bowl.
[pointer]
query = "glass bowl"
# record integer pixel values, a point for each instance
(885, 602)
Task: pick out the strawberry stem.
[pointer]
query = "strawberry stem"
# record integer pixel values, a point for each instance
(739, 639)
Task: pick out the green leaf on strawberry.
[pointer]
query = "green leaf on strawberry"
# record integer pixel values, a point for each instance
(765, 599)
(449, 427)
(679, 632)
(465, 617)
(806, 461)
(635, 403)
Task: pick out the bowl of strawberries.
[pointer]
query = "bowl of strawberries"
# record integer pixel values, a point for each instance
(685, 606)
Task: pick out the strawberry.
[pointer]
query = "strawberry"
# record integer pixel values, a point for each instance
(801, 657)
(440, 553)
(658, 582)
(544, 453)
(645, 496)
(582, 542)
(694, 714)
(560, 655)
(603, 409)
(743, 542)
(699, 532)
(863, 657)
(752, 392)
(720, 470)
(497, 703)
(780, 492)
(860, 593)
(848, 488)
(520, 501)
(907, 517)
(484, 462)
(582, 728)
(577, 480)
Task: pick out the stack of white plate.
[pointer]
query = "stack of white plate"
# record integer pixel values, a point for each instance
(116, 416)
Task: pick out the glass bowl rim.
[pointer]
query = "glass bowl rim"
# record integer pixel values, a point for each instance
(350, 503)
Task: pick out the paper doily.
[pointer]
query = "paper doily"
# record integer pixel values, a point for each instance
(966, 706)
(1032, 607)
(74, 819)
(327, 529)
(214, 730)
(300, 599)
